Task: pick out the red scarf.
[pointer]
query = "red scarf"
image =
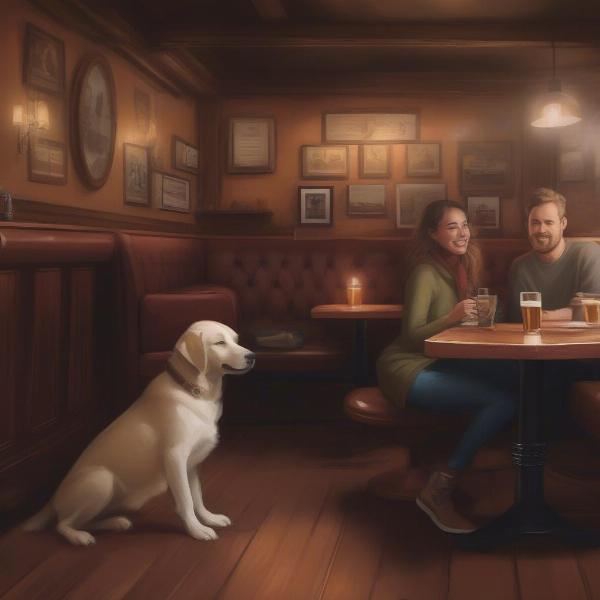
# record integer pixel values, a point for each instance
(455, 266)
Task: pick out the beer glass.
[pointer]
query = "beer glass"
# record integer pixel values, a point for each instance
(486, 309)
(591, 310)
(531, 311)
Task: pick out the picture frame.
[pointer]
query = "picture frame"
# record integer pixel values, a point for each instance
(322, 161)
(251, 144)
(483, 212)
(43, 61)
(170, 192)
(47, 161)
(485, 167)
(366, 201)
(315, 206)
(357, 127)
(374, 161)
(93, 120)
(136, 176)
(412, 198)
(185, 155)
(424, 159)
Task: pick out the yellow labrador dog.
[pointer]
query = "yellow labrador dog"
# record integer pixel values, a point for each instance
(156, 443)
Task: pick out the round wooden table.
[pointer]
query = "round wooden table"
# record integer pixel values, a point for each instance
(557, 341)
(360, 314)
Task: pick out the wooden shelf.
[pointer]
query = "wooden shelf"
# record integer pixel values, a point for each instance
(236, 213)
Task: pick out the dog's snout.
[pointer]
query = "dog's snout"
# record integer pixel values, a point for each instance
(250, 357)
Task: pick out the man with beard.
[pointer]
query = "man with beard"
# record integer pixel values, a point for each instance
(556, 268)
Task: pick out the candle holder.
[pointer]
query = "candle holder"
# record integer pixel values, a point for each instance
(354, 292)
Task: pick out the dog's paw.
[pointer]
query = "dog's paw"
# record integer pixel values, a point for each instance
(119, 524)
(215, 520)
(201, 532)
(82, 538)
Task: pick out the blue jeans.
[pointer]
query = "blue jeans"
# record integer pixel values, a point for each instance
(489, 388)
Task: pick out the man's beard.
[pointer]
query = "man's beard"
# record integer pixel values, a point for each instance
(546, 244)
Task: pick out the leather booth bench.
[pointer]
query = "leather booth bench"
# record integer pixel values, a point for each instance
(256, 284)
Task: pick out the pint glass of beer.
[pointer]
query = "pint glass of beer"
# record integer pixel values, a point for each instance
(531, 311)
(591, 310)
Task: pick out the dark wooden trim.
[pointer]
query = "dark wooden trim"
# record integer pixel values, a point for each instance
(509, 34)
(42, 212)
(164, 69)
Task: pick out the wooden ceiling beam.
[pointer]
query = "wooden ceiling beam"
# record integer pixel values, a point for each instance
(458, 35)
(173, 70)
(270, 10)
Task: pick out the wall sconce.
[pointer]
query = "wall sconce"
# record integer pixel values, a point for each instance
(555, 108)
(29, 122)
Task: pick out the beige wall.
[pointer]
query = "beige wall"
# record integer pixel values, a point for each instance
(173, 116)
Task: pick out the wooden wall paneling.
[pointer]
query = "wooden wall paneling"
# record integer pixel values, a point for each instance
(79, 371)
(44, 380)
(9, 317)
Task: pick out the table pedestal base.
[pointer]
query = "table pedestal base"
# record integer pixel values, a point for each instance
(520, 520)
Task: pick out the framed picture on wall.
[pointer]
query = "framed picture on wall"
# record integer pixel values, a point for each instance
(251, 145)
(185, 156)
(423, 159)
(47, 161)
(170, 193)
(485, 167)
(366, 201)
(484, 211)
(412, 198)
(373, 160)
(356, 127)
(43, 61)
(324, 162)
(136, 182)
(93, 120)
(315, 205)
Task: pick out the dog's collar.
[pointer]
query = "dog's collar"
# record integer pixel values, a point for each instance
(194, 390)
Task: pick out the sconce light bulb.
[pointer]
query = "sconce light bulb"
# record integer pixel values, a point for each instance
(18, 114)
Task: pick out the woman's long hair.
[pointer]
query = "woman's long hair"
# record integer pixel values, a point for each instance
(425, 246)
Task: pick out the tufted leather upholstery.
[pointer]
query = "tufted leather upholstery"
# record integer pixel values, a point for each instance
(257, 283)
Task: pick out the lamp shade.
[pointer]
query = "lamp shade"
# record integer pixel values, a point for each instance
(555, 109)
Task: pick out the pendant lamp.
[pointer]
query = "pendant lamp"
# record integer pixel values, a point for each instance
(555, 108)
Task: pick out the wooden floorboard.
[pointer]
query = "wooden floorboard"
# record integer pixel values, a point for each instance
(305, 528)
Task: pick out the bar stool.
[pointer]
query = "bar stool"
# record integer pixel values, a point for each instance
(419, 431)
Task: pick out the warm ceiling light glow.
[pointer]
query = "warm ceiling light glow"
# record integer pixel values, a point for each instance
(555, 108)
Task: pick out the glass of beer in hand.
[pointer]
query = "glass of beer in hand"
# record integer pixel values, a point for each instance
(591, 310)
(531, 311)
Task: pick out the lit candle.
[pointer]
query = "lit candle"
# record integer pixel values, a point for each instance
(354, 292)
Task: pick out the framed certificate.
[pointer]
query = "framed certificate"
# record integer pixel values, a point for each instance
(251, 145)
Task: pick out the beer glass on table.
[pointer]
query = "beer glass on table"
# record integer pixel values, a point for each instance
(531, 311)
(486, 307)
(591, 310)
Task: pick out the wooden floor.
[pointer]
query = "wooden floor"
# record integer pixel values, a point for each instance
(304, 527)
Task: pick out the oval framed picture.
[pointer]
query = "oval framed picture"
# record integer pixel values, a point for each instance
(93, 120)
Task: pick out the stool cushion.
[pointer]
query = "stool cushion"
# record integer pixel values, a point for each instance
(585, 406)
(369, 405)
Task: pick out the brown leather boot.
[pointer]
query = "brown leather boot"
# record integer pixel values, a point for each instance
(436, 500)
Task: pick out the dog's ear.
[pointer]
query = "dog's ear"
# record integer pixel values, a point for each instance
(193, 348)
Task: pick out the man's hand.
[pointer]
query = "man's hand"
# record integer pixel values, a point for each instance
(561, 314)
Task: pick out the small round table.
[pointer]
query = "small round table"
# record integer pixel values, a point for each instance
(360, 314)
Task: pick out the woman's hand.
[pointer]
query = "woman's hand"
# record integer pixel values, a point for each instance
(461, 310)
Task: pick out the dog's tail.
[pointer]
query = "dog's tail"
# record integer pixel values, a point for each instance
(40, 520)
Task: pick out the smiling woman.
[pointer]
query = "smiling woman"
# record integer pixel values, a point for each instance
(446, 266)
